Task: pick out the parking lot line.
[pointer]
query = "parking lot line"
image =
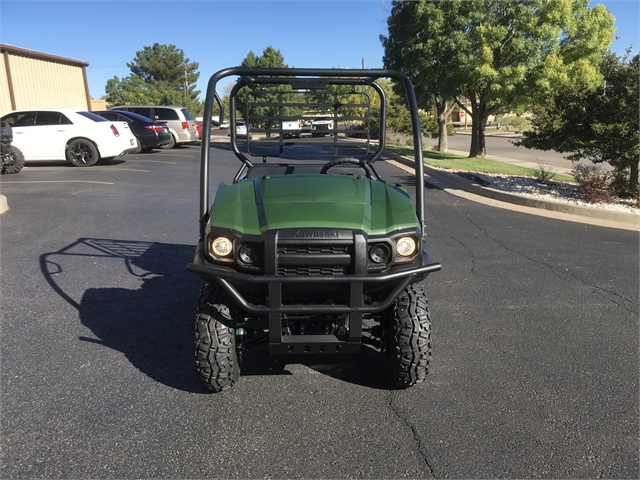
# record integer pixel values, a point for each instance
(57, 181)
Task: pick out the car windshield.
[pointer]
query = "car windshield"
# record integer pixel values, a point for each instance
(92, 116)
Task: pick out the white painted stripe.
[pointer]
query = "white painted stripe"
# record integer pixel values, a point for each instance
(56, 181)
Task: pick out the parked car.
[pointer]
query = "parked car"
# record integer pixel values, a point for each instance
(148, 133)
(241, 130)
(199, 121)
(180, 122)
(80, 137)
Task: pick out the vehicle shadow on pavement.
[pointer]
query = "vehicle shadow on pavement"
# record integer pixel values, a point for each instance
(409, 181)
(147, 315)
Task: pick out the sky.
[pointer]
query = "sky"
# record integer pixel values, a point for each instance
(220, 33)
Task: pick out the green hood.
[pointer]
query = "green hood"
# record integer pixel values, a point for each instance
(313, 201)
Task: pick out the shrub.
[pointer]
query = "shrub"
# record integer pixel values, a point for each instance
(404, 140)
(398, 138)
(593, 183)
(429, 126)
(544, 173)
(519, 124)
(515, 123)
(620, 185)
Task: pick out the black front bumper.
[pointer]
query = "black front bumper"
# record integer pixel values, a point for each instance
(228, 279)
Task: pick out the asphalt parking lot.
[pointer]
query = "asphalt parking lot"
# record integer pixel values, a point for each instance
(534, 372)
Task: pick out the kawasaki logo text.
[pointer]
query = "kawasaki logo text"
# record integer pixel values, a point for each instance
(316, 234)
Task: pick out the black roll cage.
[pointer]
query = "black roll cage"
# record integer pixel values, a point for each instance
(306, 78)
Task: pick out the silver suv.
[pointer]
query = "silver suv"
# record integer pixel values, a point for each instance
(180, 122)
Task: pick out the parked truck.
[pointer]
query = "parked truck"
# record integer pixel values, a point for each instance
(322, 125)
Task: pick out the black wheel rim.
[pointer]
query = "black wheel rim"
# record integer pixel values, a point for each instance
(81, 153)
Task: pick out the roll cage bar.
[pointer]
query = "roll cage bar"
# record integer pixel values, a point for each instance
(304, 79)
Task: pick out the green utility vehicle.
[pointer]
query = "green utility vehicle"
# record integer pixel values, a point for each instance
(308, 248)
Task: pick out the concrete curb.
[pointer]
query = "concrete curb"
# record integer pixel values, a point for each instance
(560, 207)
(4, 206)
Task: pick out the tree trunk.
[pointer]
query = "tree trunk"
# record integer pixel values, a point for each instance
(443, 138)
(633, 181)
(444, 110)
(479, 117)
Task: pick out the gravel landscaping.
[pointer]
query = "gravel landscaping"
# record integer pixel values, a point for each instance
(551, 190)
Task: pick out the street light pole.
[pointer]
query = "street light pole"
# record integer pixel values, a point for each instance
(186, 79)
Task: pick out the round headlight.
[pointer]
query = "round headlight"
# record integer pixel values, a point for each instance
(405, 246)
(221, 246)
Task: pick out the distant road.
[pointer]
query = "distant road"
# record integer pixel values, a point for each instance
(497, 146)
(502, 146)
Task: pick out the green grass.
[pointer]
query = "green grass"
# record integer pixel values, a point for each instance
(482, 165)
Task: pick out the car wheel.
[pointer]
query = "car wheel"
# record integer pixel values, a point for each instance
(82, 153)
(171, 144)
(406, 338)
(18, 161)
(215, 340)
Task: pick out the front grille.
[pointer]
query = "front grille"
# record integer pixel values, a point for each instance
(313, 271)
(331, 253)
(313, 249)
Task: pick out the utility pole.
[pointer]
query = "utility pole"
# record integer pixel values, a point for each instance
(186, 79)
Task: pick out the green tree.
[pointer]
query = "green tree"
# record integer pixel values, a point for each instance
(130, 91)
(397, 111)
(418, 35)
(600, 124)
(160, 75)
(502, 55)
(270, 58)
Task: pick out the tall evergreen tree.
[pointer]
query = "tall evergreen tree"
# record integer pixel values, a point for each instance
(160, 75)
(270, 58)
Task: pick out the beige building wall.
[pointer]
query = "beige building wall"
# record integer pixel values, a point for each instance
(30, 79)
(98, 105)
(5, 97)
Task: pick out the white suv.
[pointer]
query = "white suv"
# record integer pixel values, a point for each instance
(241, 130)
(180, 122)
